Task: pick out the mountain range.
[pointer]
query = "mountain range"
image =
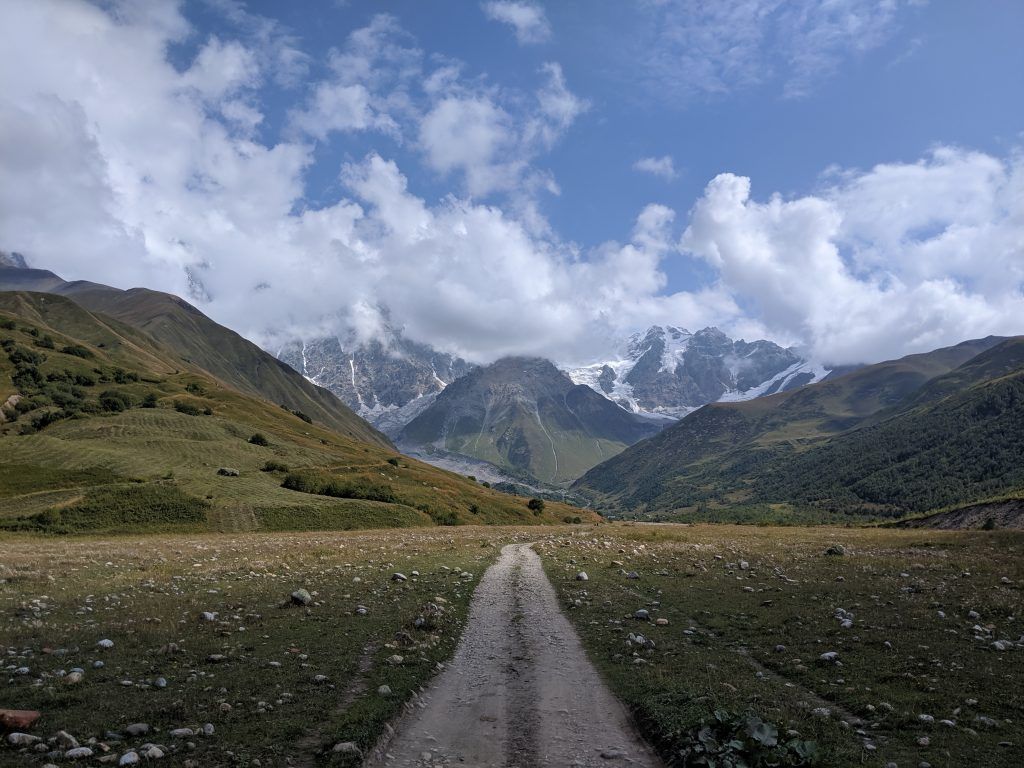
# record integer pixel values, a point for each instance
(525, 415)
(903, 436)
(669, 372)
(107, 427)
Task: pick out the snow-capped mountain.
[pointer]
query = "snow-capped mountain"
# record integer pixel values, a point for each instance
(669, 372)
(388, 382)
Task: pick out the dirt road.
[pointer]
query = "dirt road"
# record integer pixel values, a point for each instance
(520, 693)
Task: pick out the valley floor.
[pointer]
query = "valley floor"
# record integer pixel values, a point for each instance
(680, 622)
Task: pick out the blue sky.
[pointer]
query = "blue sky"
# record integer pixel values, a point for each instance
(573, 170)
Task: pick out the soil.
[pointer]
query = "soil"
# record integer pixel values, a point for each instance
(520, 691)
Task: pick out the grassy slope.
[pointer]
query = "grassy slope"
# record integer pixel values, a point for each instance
(710, 459)
(524, 415)
(719, 647)
(58, 465)
(145, 593)
(188, 334)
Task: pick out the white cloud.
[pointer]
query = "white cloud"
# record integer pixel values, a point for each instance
(902, 258)
(121, 168)
(528, 20)
(691, 48)
(663, 167)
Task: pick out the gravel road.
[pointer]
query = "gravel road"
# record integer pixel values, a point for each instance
(520, 691)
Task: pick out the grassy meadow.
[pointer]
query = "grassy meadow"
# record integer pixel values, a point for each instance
(210, 619)
(927, 628)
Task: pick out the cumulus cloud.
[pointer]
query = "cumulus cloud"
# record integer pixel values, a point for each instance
(663, 167)
(528, 20)
(901, 258)
(695, 48)
(118, 166)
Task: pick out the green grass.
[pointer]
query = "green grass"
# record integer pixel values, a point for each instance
(114, 509)
(155, 421)
(718, 650)
(58, 598)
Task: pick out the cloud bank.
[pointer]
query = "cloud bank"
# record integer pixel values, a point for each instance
(120, 167)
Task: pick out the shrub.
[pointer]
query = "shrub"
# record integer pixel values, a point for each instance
(259, 439)
(77, 350)
(743, 740)
(187, 408)
(113, 401)
(194, 389)
(24, 356)
(393, 461)
(274, 466)
(323, 484)
(43, 420)
(303, 416)
(474, 509)
(46, 342)
(7, 323)
(150, 400)
(535, 505)
(122, 376)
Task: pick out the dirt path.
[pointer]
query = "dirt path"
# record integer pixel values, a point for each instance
(520, 692)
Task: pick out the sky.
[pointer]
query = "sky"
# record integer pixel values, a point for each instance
(518, 177)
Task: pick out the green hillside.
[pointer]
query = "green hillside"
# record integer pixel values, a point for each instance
(524, 415)
(181, 329)
(904, 436)
(104, 430)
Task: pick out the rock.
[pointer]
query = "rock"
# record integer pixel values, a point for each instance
(182, 733)
(395, 660)
(744, 565)
(923, 741)
(73, 678)
(973, 615)
(362, 610)
(829, 657)
(347, 748)
(208, 616)
(129, 758)
(227, 472)
(661, 622)
(65, 740)
(17, 719)
(642, 615)
(208, 729)
(384, 690)
(399, 577)
(319, 679)
(836, 550)
(301, 597)
(632, 575)
(613, 754)
(153, 753)
(823, 712)
(105, 643)
(160, 682)
(1002, 645)
(780, 649)
(18, 739)
(78, 753)
(582, 576)
(137, 729)
(216, 658)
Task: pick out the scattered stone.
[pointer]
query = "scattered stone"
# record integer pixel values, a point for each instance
(399, 577)
(129, 758)
(137, 729)
(396, 659)
(216, 658)
(613, 754)
(226, 472)
(65, 740)
(301, 597)
(153, 753)
(105, 643)
(661, 622)
(642, 615)
(829, 657)
(18, 739)
(78, 753)
(384, 690)
(208, 615)
(744, 565)
(582, 576)
(208, 729)
(348, 748)
(182, 733)
(73, 678)
(836, 550)
(160, 682)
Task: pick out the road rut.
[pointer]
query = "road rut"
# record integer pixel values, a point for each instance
(520, 692)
